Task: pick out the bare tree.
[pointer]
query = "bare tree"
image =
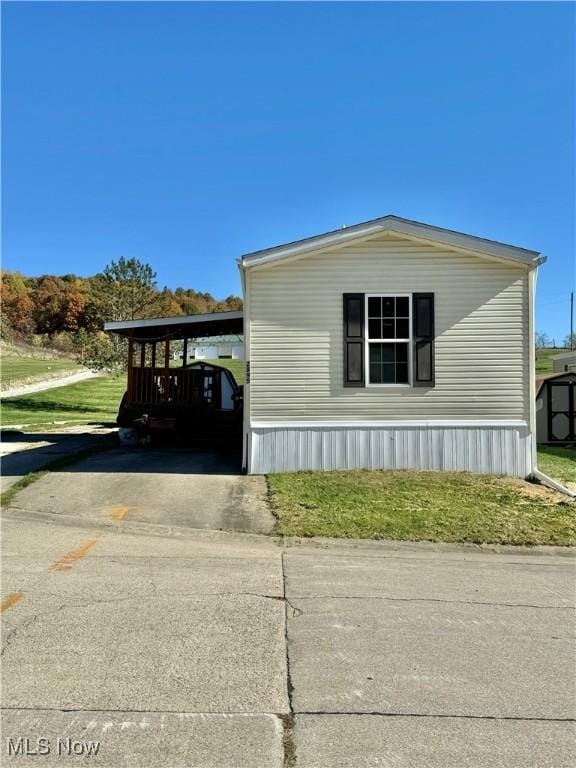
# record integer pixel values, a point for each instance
(542, 340)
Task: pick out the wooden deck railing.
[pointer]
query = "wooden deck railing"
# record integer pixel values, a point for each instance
(174, 386)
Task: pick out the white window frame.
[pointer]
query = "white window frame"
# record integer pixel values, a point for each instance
(368, 341)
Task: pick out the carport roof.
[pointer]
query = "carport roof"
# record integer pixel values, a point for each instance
(184, 326)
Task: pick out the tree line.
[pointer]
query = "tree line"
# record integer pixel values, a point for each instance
(68, 312)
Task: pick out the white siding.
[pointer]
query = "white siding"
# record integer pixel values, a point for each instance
(296, 347)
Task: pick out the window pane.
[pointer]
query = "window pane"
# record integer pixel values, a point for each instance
(374, 329)
(401, 353)
(402, 373)
(388, 373)
(374, 306)
(387, 306)
(387, 329)
(376, 353)
(402, 330)
(375, 373)
(402, 306)
(388, 353)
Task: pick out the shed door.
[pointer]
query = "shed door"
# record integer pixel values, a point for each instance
(562, 411)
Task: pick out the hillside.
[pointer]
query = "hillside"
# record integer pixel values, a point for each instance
(24, 364)
(544, 359)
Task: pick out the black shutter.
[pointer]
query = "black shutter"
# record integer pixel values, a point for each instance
(423, 339)
(353, 339)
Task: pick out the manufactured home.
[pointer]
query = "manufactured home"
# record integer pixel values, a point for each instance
(389, 344)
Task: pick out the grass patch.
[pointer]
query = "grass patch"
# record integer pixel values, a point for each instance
(7, 497)
(558, 463)
(87, 401)
(20, 370)
(432, 506)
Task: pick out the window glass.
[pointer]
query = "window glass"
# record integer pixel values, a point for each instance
(388, 330)
(388, 363)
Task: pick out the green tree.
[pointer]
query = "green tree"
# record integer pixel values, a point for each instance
(105, 352)
(125, 290)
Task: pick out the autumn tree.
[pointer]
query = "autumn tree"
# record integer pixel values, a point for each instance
(59, 304)
(17, 304)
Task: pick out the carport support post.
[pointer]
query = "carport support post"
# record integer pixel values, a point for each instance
(130, 367)
(166, 369)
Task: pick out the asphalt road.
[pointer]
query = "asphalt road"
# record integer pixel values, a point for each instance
(169, 645)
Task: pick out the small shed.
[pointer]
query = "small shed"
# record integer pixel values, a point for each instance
(565, 362)
(556, 410)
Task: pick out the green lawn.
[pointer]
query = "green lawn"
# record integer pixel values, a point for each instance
(22, 370)
(544, 359)
(558, 463)
(92, 400)
(431, 506)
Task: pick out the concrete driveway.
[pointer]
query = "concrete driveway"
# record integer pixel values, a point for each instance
(167, 645)
(168, 487)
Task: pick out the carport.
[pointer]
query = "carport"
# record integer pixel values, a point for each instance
(194, 400)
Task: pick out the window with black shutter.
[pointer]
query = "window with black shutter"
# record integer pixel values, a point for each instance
(389, 340)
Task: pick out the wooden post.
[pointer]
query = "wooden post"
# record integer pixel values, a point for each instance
(130, 370)
(166, 370)
(142, 354)
(184, 353)
(154, 354)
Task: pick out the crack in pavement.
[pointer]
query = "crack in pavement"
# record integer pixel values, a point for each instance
(25, 623)
(297, 713)
(432, 600)
(328, 713)
(288, 741)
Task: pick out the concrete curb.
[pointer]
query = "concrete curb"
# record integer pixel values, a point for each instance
(360, 546)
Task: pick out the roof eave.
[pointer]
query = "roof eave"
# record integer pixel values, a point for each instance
(405, 227)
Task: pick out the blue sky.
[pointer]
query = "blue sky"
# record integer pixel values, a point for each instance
(186, 134)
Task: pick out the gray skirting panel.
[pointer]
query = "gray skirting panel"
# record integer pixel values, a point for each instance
(495, 449)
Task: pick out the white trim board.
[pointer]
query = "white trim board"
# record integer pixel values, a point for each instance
(451, 423)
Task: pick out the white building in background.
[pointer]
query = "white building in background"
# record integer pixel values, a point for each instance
(229, 347)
